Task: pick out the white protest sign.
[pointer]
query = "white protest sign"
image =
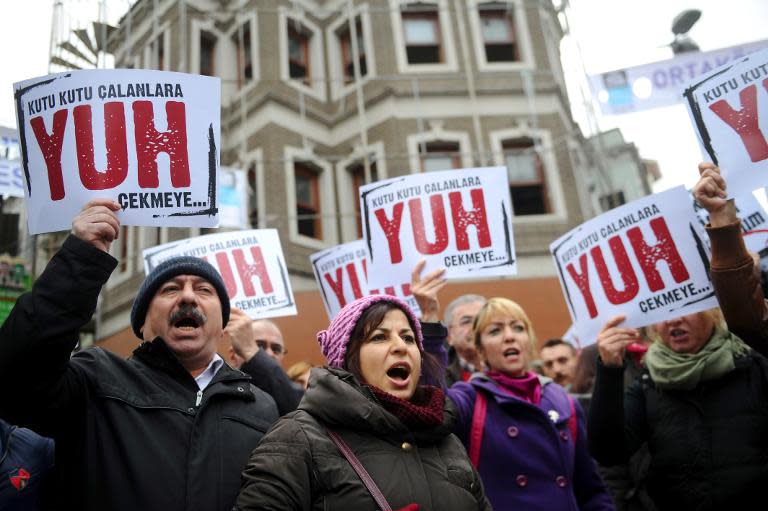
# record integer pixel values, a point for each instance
(458, 219)
(233, 198)
(729, 110)
(754, 221)
(341, 275)
(647, 260)
(250, 262)
(148, 139)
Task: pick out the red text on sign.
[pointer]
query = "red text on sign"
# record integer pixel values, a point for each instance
(148, 142)
(460, 217)
(246, 272)
(745, 121)
(648, 256)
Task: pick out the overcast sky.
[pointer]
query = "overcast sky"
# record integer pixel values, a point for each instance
(611, 33)
(615, 34)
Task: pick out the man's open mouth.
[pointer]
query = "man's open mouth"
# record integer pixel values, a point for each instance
(186, 323)
(187, 319)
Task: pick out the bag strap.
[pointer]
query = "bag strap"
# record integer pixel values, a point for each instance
(478, 426)
(572, 420)
(360, 470)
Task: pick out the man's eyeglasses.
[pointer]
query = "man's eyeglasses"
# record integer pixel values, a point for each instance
(276, 348)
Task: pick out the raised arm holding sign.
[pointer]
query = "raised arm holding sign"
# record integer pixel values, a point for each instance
(735, 276)
(173, 408)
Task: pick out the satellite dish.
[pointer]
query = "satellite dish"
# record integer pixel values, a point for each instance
(683, 22)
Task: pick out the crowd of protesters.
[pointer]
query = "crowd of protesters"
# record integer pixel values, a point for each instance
(407, 413)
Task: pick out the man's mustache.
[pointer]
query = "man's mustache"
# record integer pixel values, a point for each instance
(187, 311)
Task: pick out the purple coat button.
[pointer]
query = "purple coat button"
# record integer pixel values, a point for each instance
(564, 436)
(522, 481)
(512, 431)
(561, 481)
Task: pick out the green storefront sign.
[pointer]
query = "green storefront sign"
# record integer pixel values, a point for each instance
(14, 280)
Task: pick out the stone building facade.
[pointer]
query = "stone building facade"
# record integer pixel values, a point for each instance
(320, 96)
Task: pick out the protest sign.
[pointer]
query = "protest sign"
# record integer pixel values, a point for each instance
(754, 221)
(233, 198)
(250, 262)
(647, 260)
(147, 139)
(341, 275)
(458, 219)
(729, 110)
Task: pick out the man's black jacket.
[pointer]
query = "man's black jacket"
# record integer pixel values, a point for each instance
(132, 435)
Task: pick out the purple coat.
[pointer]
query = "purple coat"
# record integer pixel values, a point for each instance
(528, 461)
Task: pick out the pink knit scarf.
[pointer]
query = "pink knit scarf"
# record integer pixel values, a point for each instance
(527, 388)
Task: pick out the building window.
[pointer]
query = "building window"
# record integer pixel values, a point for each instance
(298, 52)
(308, 212)
(497, 28)
(207, 53)
(421, 27)
(612, 200)
(345, 41)
(124, 252)
(357, 170)
(157, 53)
(440, 156)
(244, 57)
(253, 211)
(149, 237)
(526, 177)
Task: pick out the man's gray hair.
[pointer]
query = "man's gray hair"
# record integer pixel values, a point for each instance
(267, 321)
(463, 299)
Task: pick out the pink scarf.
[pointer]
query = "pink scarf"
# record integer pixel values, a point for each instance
(527, 388)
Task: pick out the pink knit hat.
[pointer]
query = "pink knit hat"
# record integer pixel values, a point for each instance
(334, 340)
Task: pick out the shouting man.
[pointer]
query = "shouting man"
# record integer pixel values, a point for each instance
(169, 429)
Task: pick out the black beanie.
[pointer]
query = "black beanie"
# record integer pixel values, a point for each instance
(165, 271)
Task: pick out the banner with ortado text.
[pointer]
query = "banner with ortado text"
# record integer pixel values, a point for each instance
(250, 262)
(147, 139)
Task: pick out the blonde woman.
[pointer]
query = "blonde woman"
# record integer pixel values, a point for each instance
(524, 434)
(522, 431)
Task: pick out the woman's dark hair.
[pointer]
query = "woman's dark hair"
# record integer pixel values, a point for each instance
(431, 371)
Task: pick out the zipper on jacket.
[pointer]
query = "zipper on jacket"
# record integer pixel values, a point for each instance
(7, 446)
(199, 397)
